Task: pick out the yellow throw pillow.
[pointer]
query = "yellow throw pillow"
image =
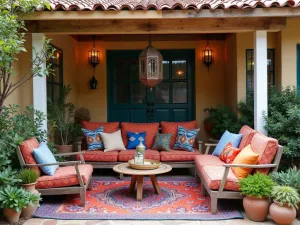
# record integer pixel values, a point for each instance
(246, 156)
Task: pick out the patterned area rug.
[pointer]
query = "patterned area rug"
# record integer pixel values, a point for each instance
(111, 200)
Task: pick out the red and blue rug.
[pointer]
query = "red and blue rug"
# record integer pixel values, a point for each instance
(111, 200)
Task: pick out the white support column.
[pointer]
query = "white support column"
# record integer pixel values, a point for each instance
(39, 83)
(260, 80)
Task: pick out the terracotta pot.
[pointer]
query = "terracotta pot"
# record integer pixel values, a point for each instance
(64, 148)
(256, 208)
(11, 215)
(208, 127)
(28, 211)
(282, 215)
(30, 188)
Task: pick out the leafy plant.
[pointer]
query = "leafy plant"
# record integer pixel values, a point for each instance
(285, 195)
(61, 116)
(13, 198)
(8, 177)
(246, 110)
(290, 178)
(282, 123)
(82, 114)
(258, 185)
(28, 176)
(32, 198)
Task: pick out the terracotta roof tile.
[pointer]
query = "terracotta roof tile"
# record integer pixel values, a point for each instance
(166, 4)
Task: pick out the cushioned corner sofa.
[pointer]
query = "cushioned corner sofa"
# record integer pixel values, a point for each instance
(217, 178)
(175, 158)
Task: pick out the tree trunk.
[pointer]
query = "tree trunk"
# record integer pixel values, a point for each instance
(1, 104)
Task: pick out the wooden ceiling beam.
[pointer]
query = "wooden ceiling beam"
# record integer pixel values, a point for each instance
(167, 26)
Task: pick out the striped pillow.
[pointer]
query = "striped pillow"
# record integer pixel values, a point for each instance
(185, 139)
(93, 138)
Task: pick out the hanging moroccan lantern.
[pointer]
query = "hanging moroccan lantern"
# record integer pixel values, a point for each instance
(150, 67)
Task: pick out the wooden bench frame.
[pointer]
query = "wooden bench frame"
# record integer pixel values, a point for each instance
(80, 189)
(223, 194)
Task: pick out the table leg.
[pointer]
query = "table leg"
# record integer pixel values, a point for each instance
(132, 183)
(155, 184)
(139, 193)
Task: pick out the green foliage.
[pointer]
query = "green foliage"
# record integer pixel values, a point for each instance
(82, 114)
(61, 117)
(8, 176)
(258, 185)
(28, 176)
(13, 198)
(285, 195)
(283, 124)
(31, 198)
(246, 111)
(291, 178)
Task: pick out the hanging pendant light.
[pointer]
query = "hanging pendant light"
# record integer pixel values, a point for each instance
(150, 66)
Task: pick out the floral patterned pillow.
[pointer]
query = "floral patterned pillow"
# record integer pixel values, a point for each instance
(93, 138)
(162, 142)
(229, 153)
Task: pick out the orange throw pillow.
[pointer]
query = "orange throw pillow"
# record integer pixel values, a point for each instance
(246, 156)
(229, 153)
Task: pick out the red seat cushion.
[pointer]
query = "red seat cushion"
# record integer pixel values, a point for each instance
(150, 128)
(171, 128)
(27, 148)
(248, 134)
(65, 177)
(99, 156)
(208, 160)
(178, 155)
(266, 147)
(126, 155)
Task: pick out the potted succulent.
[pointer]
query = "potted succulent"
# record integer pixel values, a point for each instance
(257, 188)
(28, 179)
(33, 202)
(283, 209)
(61, 118)
(12, 201)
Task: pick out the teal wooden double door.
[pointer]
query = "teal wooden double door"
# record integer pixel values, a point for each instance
(130, 101)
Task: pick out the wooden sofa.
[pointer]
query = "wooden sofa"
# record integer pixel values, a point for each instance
(175, 158)
(217, 178)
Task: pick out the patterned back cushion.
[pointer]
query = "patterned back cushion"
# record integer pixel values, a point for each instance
(27, 148)
(229, 153)
(134, 139)
(171, 128)
(109, 127)
(150, 128)
(248, 134)
(185, 139)
(162, 142)
(93, 138)
(266, 147)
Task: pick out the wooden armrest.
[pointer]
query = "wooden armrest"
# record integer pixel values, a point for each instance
(251, 166)
(211, 144)
(68, 154)
(53, 164)
(199, 142)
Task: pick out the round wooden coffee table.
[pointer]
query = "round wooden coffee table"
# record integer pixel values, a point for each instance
(137, 177)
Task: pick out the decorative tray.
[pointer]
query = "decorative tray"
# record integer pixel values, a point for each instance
(149, 164)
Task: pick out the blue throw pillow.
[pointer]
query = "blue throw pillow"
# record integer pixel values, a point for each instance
(185, 139)
(93, 138)
(134, 139)
(227, 137)
(43, 155)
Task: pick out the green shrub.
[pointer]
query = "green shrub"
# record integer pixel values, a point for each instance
(32, 198)
(291, 178)
(13, 198)
(283, 123)
(8, 177)
(285, 195)
(258, 185)
(246, 111)
(28, 176)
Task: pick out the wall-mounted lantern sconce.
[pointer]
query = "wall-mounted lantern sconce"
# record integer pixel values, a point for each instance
(94, 60)
(207, 56)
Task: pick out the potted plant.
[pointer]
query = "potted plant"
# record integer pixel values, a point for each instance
(82, 114)
(33, 202)
(28, 179)
(61, 117)
(283, 209)
(12, 201)
(257, 188)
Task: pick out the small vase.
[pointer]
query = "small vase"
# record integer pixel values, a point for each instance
(11, 215)
(28, 211)
(256, 208)
(64, 148)
(30, 188)
(282, 215)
